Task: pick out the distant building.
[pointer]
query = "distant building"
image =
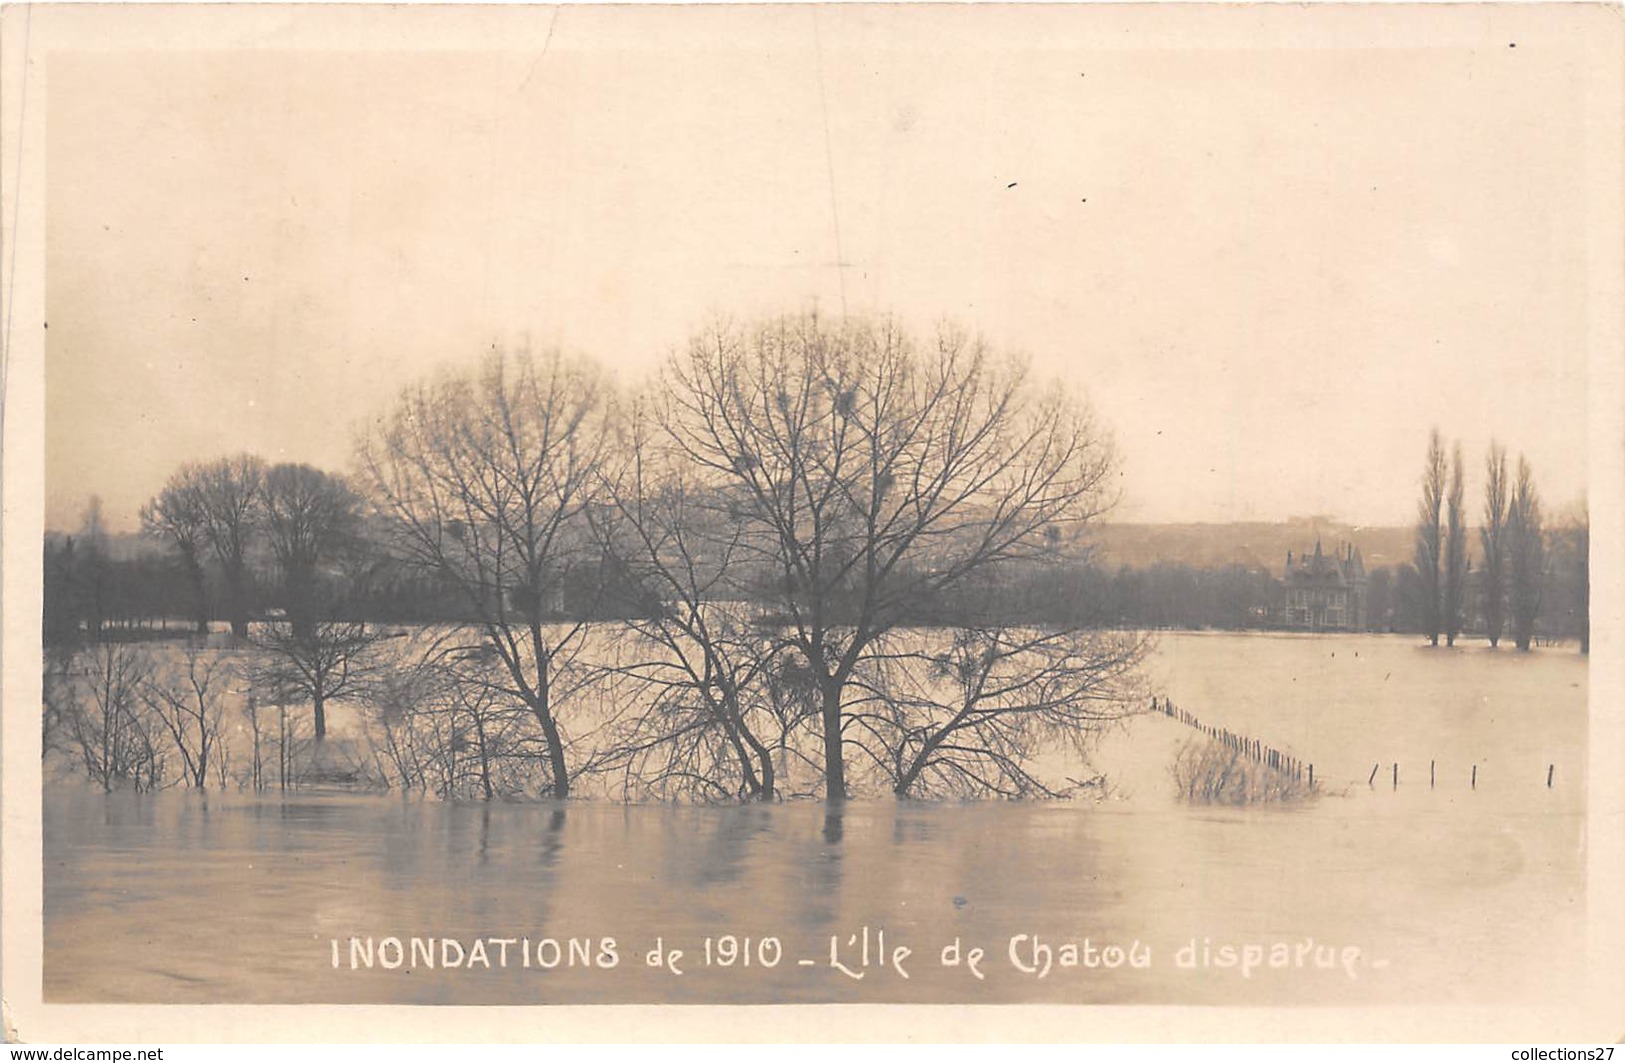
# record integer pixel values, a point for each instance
(1324, 593)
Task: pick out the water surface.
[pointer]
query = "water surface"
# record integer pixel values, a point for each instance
(1440, 893)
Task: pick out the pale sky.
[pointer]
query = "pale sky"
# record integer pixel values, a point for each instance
(1271, 269)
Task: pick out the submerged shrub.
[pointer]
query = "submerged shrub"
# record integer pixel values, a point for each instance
(1210, 773)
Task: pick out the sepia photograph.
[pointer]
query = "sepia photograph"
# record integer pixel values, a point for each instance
(810, 505)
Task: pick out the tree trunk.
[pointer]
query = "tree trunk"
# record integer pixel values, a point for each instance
(318, 702)
(555, 747)
(301, 621)
(769, 784)
(764, 760)
(200, 595)
(834, 762)
(757, 764)
(256, 778)
(555, 759)
(758, 785)
(107, 754)
(485, 757)
(1494, 596)
(237, 606)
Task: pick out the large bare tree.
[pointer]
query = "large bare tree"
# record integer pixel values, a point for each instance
(312, 519)
(486, 479)
(869, 476)
(1493, 538)
(229, 493)
(713, 704)
(178, 516)
(1430, 539)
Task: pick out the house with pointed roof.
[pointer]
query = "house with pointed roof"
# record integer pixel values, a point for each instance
(1324, 592)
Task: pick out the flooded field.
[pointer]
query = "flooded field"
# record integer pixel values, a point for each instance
(1441, 893)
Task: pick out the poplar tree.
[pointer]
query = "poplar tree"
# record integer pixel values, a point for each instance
(1429, 538)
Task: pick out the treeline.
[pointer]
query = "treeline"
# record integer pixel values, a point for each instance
(778, 569)
(1177, 596)
(90, 589)
(1167, 595)
(106, 588)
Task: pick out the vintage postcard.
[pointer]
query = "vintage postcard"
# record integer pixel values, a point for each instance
(519, 518)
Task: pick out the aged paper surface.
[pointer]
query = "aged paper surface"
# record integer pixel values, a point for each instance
(1275, 247)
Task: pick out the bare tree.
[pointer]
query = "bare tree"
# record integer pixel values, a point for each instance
(178, 516)
(311, 519)
(271, 727)
(258, 740)
(700, 668)
(229, 492)
(1430, 538)
(493, 749)
(486, 480)
(188, 700)
(1526, 555)
(868, 478)
(293, 744)
(1456, 564)
(1493, 538)
(58, 700)
(329, 661)
(967, 712)
(106, 719)
(441, 724)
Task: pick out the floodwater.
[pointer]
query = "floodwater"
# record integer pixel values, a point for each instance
(1373, 893)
